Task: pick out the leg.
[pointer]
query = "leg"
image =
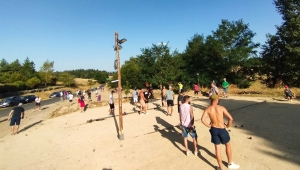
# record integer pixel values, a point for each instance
(12, 129)
(185, 140)
(228, 152)
(171, 110)
(16, 129)
(218, 155)
(195, 144)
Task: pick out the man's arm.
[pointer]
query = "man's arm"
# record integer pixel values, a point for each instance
(10, 114)
(230, 119)
(192, 115)
(204, 115)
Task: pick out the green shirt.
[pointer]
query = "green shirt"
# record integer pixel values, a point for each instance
(225, 84)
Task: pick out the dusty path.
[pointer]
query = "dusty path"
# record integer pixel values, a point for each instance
(152, 142)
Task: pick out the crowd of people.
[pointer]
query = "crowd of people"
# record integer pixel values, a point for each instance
(214, 112)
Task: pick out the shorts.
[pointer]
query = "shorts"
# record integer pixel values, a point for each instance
(70, 100)
(163, 98)
(219, 136)
(135, 99)
(225, 90)
(15, 121)
(170, 102)
(82, 104)
(38, 104)
(191, 131)
(196, 92)
(112, 106)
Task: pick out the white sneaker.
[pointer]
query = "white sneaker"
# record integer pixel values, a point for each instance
(188, 153)
(233, 166)
(142, 114)
(147, 113)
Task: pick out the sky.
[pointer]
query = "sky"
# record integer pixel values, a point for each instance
(79, 34)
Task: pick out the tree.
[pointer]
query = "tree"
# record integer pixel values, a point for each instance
(130, 72)
(67, 79)
(33, 82)
(28, 68)
(281, 53)
(46, 72)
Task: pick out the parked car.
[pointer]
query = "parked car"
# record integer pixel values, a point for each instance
(10, 101)
(28, 99)
(54, 94)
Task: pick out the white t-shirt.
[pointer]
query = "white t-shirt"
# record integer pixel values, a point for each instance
(38, 100)
(111, 99)
(70, 96)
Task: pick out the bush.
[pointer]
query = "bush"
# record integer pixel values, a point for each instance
(33, 82)
(243, 84)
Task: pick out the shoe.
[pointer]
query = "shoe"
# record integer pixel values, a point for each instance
(217, 168)
(142, 114)
(196, 153)
(188, 153)
(147, 113)
(233, 166)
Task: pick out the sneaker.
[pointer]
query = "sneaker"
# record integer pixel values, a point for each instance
(147, 113)
(196, 153)
(233, 166)
(188, 153)
(142, 114)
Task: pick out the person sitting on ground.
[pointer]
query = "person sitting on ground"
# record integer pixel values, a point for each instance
(289, 94)
(218, 130)
(15, 116)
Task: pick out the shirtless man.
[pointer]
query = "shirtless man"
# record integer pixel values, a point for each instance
(218, 130)
(142, 102)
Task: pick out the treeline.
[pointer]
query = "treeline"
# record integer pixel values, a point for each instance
(228, 52)
(98, 75)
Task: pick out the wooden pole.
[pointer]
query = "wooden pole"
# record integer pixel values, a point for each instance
(121, 135)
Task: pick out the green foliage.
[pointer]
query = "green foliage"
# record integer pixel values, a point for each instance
(15, 76)
(33, 82)
(46, 72)
(67, 79)
(127, 88)
(281, 53)
(100, 76)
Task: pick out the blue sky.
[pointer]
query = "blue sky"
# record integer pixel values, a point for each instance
(80, 33)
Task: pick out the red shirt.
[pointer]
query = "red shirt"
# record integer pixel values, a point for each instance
(196, 87)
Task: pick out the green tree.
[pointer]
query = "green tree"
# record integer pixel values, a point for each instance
(46, 72)
(130, 72)
(33, 82)
(28, 68)
(281, 53)
(67, 79)
(15, 76)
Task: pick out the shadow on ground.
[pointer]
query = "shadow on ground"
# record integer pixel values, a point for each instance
(276, 122)
(30, 126)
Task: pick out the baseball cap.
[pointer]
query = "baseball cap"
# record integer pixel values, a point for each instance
(20, 104)
(214, 97)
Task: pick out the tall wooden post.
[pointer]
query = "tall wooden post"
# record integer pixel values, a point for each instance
(121, 134)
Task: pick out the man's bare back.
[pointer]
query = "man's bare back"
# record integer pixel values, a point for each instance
(216, 114)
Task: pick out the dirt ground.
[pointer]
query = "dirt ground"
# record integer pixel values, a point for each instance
(264, 136)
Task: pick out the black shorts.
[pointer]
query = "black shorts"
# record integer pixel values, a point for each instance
(15, 121)
(219, 136)
(38, 104)
(112, 106)
(196, 92)
(170, 102)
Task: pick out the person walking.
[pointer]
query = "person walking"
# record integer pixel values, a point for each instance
(213, 91)
(225, 86)
(180, 86)
(37, 103)
(187, 124)
(196, 89)
(82, 103)
(170, 100)
(143, 103)
(163, 97)
(70, 97)
(15, 116)
(135, 96)
(147, 97)
(218, 132)
(111, 103)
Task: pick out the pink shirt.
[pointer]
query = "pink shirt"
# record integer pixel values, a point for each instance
(185, 117)
(196, 87)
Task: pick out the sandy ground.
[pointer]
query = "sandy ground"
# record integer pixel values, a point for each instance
(152, 142)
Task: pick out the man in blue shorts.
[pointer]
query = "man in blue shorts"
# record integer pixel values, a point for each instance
(15, 118)
(218, 132)
(187, 124)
